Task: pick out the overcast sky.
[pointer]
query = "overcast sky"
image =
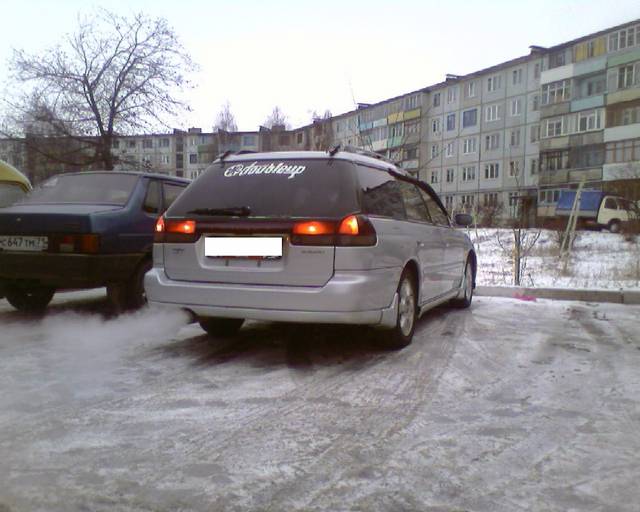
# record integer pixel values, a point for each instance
(326, 54)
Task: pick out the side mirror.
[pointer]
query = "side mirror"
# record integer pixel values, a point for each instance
(463, 219)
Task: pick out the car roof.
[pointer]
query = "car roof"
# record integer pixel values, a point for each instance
(132, 173)
(315, 155)
(10, 173)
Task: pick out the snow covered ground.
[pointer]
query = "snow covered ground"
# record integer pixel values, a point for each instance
(599, 260)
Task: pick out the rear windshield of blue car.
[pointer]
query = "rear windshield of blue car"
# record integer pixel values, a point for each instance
(274, 188)
(90, 188)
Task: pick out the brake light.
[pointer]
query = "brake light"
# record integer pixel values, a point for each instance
(353, 230)
(349, 226)
(76, 244)
(175, 231)
(313, 228)
(160, 225)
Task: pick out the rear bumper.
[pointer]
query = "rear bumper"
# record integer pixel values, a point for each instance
(362, 297)
(66, 270)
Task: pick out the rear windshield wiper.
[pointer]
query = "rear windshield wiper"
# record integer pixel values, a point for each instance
(238, 211)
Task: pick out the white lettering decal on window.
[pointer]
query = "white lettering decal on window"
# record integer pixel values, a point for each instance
(280, 168)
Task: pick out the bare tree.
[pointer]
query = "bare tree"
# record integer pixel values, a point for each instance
(276, 118)
(114, 76)
(225, 121)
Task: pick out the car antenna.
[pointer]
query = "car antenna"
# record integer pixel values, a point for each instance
(334, 149)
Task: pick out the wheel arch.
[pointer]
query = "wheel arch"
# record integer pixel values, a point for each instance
(473, 259)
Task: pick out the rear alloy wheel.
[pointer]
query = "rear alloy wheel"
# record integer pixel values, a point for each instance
(221, 327)
(33, 300)
(465, 296)
(401, 335)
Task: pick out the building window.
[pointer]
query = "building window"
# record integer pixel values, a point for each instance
(556, 92)
(627, 77)
(436, 99)
(165, 143)
(554, 127)
(536, 70)
(434, 176)
(467, 201)
(131, 143)
(147, 143)
(471, 90)
(450, 150)
(450, 175)
(469, 118)
(250, 140)
(594, 86)
(451, 122)
(492, 141)
(536, 103)
(452, 94)
(514, 168)
(515, 138)
(411, 154)
(193, 158)
(434, 150)
(448, 202)
(589, 120)
(514, 204)
(115, 144)
(533, 170)
(494, 83)
(164, 159)
(555, 160)
(516, 76)
(535, 133)
(469, 173)
(557, 59)
(516, 107)
(412, 127)
(411, 102)
(490, 199)
(493, 113)
(624, 38)
(435, 126)
(491, 171)
(469, 145)
(299, 137)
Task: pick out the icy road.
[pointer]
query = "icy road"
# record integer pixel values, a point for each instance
(507, 406)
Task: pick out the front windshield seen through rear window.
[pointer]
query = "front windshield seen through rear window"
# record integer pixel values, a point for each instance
(10, 193)
(90, 188)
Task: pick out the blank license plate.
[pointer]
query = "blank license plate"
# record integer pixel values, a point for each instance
(243, 247)
(24, 243)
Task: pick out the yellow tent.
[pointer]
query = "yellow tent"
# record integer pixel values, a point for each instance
(9, 174)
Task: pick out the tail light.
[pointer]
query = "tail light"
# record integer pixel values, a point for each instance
(353, 230)
(77, 244)
(175, 231)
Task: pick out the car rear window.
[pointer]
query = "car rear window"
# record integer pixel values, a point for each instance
(90, 188)
(274, 188)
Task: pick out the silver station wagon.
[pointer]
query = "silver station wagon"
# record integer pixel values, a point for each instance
(318, 237)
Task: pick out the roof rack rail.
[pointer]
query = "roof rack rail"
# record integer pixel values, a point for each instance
(360, 151)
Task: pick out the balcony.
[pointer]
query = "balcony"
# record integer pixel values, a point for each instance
(630, 94)
(395, 118)
(587, 103)
(621, 171)
(629, 131)
(566, 176)
(556, 74)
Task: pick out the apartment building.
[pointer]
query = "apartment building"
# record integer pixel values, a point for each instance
(590, 116)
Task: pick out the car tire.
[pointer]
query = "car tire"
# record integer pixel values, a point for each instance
(220, 327)
(401, 334)
(465, 296)
(33, 300)
(614, 226)
(130, 294)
